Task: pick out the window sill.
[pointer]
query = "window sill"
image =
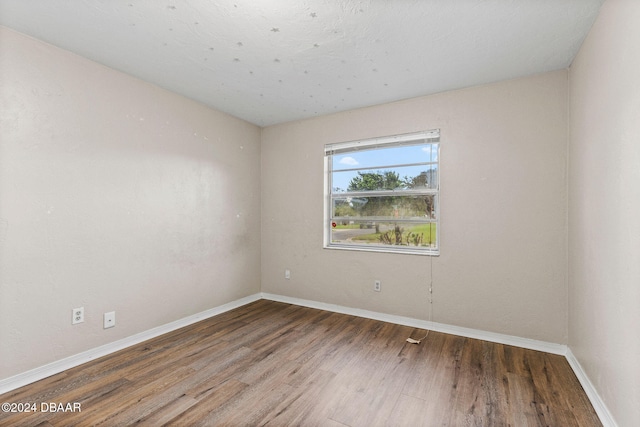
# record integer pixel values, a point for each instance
(407, 250)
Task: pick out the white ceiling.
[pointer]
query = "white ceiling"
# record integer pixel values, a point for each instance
(271, 61)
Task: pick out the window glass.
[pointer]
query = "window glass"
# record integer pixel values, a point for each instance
(383, 195)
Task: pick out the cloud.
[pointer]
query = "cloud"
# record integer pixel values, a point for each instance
(434, 154)
(348, 161)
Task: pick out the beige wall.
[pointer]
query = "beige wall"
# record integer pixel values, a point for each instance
(604, 207)
(114, 195)
(117, 195)
(502, 266)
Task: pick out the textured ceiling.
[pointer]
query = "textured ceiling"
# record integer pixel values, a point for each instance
(271, 61)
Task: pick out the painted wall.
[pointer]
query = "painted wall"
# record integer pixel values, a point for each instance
(114, 195)
(503, 257)
(604, 208)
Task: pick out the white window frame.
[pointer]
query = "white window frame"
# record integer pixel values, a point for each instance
(430, 137)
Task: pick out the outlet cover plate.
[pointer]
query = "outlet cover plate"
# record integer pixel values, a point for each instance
(109, 319)
(77, 315)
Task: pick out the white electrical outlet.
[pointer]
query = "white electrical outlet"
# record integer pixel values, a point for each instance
(77, 315)
(377, 285)
(109, 319)
(287, 274)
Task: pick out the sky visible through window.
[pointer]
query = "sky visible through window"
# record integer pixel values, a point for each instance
(374, 160)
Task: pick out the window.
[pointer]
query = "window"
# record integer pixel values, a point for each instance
(382, 194)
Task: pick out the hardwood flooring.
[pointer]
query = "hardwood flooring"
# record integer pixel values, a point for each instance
(276, 364)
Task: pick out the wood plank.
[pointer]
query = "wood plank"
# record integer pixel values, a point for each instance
(409, 411)
(210, 404)
(270, 363)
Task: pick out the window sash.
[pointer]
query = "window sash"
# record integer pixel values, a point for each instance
(418, 138)
(390, 193)
(357, 219)
(400, 165)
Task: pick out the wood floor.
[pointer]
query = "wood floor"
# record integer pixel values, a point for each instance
(276, 364)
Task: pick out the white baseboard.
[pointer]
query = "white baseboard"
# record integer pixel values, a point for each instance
(560, 349)
(601, 409)
(53, 368)
(425, 324)
(58, 366)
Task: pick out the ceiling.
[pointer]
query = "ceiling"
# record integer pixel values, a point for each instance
(272, 61)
